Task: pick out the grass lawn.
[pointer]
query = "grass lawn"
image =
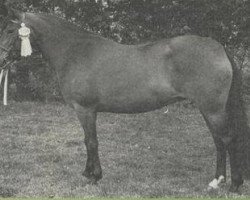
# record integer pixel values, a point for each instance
(42, 153)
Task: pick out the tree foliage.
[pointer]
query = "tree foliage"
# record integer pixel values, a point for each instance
(134, 21)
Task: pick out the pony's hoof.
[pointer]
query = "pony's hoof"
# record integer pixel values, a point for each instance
(235, 185)
(92, 181)
(215, 183)
(234, 189)
(87, 174)
(209, 188)
(212, 191)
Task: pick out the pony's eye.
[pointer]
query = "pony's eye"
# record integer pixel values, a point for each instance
(10, 31)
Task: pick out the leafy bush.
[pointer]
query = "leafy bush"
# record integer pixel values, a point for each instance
(134, 21)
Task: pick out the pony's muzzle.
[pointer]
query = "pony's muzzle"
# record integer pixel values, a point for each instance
(3, 57)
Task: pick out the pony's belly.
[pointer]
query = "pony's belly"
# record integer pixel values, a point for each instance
(136, 106)
(143, 98)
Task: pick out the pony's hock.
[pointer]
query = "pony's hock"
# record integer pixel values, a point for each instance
(99, 75)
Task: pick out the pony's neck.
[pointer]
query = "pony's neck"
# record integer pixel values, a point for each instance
(51, 35)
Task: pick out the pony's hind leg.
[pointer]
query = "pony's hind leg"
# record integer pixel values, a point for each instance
(87, 118)
(216, 123)
(224, 141)
(235, 164)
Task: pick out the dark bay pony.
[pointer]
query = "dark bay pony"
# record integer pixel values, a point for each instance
(99, 75)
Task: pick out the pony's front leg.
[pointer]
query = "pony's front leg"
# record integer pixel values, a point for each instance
(87, 118)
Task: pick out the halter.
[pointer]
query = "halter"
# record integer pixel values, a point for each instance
(3, 47)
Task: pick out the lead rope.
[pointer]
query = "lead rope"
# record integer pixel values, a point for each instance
(4, 74)
(5, 90)
(1, 77)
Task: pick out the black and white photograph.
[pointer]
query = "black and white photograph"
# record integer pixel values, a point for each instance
(124, 98)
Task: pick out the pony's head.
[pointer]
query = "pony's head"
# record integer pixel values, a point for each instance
(7, 39)
(9, 32)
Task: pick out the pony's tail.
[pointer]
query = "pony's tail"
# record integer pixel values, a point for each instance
(237, 120)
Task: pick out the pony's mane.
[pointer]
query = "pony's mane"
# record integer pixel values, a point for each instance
(63, 24)
(66, 26)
